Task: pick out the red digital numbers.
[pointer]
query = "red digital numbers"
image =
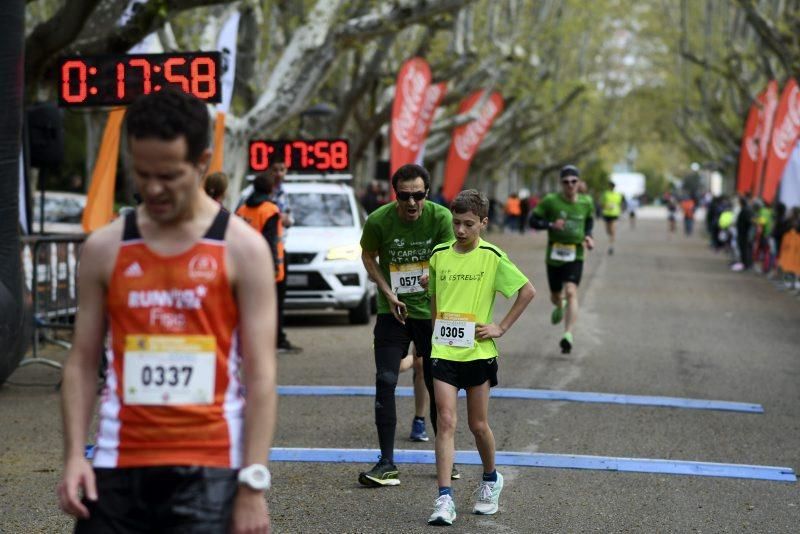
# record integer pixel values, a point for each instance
(68, 70)
(117, 80)
(320, 155)
(204, 84)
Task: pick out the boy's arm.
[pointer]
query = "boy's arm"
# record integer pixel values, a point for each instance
(524, 297)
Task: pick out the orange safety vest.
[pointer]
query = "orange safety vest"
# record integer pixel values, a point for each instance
(257, 217)
(513, 206)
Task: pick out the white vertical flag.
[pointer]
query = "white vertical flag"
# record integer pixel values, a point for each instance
(226, 45)
(790, 181)
(150, 44)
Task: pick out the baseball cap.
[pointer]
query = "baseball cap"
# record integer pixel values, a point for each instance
(569, 170)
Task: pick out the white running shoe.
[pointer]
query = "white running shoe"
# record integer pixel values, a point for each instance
(488, 496)
(444, 511)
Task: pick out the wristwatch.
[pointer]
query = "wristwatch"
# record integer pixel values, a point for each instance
(255, 476)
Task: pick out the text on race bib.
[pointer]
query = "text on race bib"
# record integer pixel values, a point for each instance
(563, 252)
(454, 329)
(169, 370)
(405, 277)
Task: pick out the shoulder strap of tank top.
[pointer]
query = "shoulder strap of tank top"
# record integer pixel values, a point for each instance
(217, 230)
(131, 230)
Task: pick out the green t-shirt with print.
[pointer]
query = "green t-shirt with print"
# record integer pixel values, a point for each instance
(565, 246)
(404, 249)
(465, 286)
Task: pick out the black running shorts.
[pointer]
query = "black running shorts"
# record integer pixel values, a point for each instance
(557, 275)
(610, 218)
(194, 500)
(463, 375)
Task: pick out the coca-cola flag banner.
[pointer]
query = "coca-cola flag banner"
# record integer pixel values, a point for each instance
(409, 98)
(466, 140)
(784, 137)
(748, 155)
(433, 97)
(766, 119)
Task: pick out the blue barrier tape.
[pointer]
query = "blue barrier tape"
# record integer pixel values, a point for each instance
(521, 459)
(541, 394)
(559, 461)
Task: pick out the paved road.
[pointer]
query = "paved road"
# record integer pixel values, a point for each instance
(663, 316)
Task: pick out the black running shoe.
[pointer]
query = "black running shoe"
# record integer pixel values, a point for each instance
(384, 473)
(566, 343)
(455, 474)
(286, 347)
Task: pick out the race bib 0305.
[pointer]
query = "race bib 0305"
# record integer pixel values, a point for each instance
(169, 370)
(405, 277)
(563, 252)
(454, 329)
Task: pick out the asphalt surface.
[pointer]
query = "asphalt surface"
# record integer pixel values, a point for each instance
(662, 316)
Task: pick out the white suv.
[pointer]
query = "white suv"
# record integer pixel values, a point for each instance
(323, 254)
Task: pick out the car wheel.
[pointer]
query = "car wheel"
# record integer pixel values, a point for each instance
(361, 313)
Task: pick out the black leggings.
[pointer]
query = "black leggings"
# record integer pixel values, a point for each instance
(391, 346)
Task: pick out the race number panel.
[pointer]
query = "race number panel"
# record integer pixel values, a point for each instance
(169, 370)
(454, 329)
(405, 277)
(562, 252)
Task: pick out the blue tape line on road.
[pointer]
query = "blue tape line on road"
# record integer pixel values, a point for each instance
(559, 461)
(542, 394)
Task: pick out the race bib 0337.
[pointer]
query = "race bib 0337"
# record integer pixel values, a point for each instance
(169, 370)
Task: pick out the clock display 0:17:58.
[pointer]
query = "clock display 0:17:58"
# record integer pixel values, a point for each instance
(118, 80)
(301, 155)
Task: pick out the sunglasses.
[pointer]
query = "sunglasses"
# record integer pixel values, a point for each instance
(416, 195)
(569, 182)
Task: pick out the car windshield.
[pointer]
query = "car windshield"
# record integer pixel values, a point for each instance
(321, 209)
(59, 209)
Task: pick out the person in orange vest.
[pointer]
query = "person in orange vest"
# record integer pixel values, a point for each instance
(513, 211)
(264, 216)
(687, 206)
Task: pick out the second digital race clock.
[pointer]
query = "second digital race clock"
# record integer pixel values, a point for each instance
(301, 155)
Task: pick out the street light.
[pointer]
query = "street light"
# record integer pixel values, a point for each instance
(317, 111)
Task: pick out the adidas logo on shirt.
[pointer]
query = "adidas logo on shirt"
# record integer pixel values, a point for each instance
(134, 270)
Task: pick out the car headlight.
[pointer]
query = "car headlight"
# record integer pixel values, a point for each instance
(346, 252)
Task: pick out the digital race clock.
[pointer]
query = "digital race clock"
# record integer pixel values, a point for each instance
(301, 155)
(117, 80)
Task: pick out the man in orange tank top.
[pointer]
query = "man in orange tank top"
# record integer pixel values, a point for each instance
(182, 292)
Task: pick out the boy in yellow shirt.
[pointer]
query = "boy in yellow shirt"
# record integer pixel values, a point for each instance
(465, 276)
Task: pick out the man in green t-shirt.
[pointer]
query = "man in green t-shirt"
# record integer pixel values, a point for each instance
(611, 203)
(568, 218)
(465, 276)
(396, 242)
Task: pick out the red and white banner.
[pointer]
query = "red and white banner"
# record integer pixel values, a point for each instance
(433, 97)
(466, 140)
(409, 99)
(751, 140)
(767, 118)
(784, 138)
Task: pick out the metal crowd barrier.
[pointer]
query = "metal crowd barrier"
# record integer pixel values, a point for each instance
(50, 269)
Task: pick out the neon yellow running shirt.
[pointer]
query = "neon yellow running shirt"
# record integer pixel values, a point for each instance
(464, 286)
